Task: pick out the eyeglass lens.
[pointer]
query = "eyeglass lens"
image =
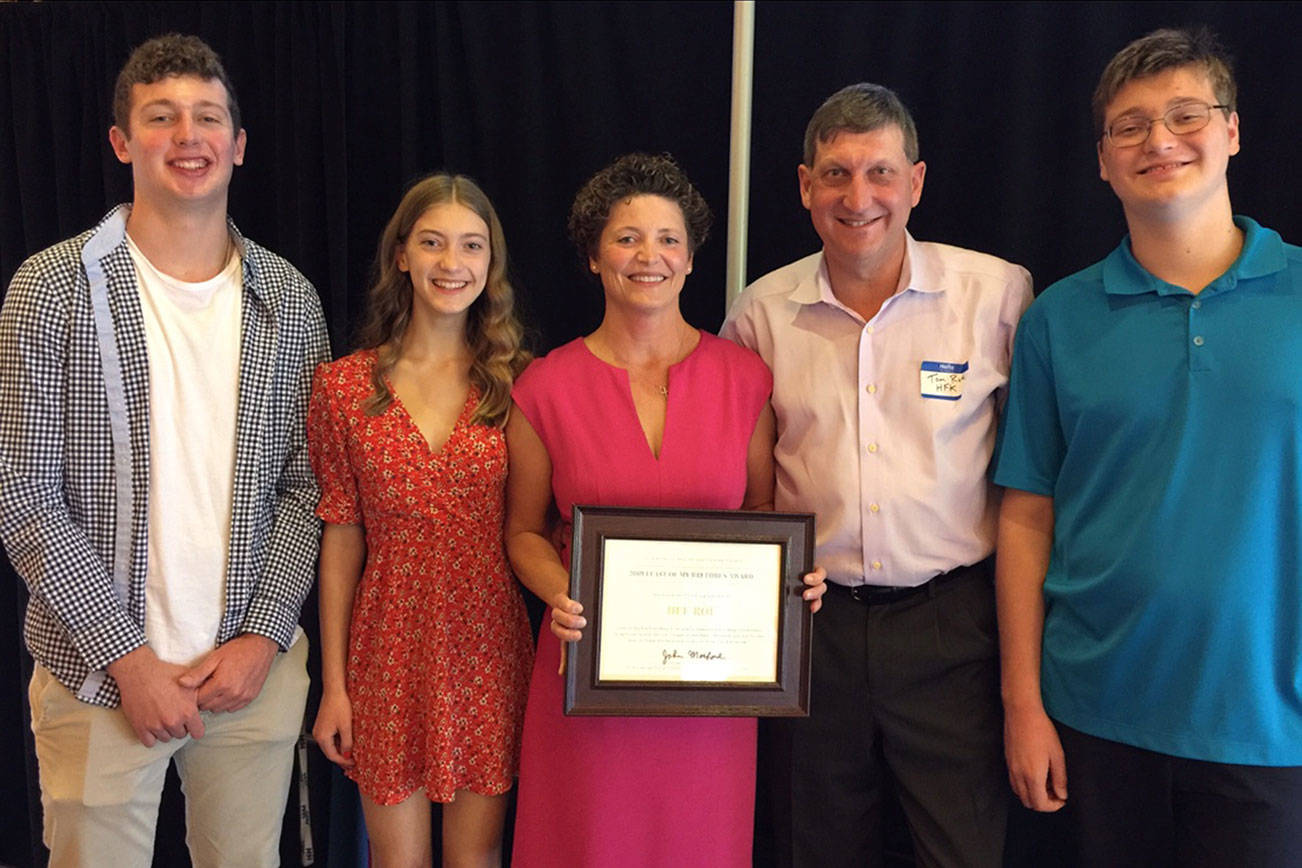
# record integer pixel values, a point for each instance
(1180, 120)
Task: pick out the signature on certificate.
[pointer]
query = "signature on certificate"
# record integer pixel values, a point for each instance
(693, 654)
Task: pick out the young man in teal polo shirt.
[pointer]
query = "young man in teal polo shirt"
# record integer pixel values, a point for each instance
(1150, 538)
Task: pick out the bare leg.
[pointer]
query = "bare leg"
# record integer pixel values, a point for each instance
(472, 830)
(400, 834)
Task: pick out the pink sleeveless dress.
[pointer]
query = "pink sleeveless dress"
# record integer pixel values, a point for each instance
(628, 791)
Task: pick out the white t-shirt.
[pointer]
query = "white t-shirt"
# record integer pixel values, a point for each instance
(192, 335)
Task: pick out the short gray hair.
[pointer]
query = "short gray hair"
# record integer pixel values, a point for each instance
(860, 108)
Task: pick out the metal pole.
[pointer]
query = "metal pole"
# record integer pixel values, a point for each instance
(743, 52)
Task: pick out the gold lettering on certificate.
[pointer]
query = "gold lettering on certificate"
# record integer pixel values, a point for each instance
(689, 610)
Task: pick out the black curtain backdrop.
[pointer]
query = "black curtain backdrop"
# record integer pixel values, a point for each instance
(346, 103)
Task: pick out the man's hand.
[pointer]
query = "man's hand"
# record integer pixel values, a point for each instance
(817, 586)
(156, 704)
(1037, 769)
(230, 676)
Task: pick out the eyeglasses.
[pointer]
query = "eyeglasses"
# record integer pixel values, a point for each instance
(1186, 118)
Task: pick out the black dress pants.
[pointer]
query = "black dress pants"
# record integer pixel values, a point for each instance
(903, 694)
(1127, 806)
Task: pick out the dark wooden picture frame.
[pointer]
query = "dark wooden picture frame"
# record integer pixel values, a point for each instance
(786, 696)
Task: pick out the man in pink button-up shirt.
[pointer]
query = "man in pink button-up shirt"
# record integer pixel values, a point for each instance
(890, 359)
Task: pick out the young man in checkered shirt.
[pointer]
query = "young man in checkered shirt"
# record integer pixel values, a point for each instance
(155, 493)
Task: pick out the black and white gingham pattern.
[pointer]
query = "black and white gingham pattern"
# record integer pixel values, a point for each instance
(57, 498)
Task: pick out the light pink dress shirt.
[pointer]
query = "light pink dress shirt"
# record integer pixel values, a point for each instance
(890, 453)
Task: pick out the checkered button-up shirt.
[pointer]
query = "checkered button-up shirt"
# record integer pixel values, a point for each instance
(74, 452)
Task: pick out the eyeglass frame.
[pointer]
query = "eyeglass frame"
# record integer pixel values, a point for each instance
(1107, 131)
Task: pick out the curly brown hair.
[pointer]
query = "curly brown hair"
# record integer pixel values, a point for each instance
(167, 55)
(492, 330)
(635, 175)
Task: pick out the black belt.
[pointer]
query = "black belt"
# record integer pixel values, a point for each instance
(875, 595)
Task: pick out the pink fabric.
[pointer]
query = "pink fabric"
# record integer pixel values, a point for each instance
(897, 480)
(637, 791)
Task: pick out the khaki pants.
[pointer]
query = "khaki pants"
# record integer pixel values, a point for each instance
(100, 787)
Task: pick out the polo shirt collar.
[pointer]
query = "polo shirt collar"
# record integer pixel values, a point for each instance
(1262, 254)
(919, 273)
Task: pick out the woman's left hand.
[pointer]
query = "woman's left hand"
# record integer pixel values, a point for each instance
(817, 586)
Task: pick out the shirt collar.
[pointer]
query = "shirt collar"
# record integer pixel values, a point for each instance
(111, 233)
(1262, 254)
(921, 272)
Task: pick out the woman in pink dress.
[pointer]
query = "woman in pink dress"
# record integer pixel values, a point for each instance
(645, 411)
(424, 638)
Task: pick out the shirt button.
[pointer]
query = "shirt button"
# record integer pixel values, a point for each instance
(872, 507)
(872, 388)
(1197, 304)
(1198, 340)
(872, 447)
(870, 329)
(876, 565)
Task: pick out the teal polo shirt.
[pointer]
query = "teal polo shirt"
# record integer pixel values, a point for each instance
(1167, 428)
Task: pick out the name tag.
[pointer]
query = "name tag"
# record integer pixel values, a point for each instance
(943, 380)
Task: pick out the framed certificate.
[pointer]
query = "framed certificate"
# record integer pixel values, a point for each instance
(690, 612)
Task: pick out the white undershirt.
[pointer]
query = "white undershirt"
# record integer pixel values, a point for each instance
(192, 334)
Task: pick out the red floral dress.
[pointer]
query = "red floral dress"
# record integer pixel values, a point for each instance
(439, 647)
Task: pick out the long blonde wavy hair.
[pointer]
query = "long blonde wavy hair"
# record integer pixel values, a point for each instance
(492, 330)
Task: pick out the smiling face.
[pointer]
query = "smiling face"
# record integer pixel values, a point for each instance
(446, 255)
(180, 142)
(642, 256)
(859, 192)
(1168, 174)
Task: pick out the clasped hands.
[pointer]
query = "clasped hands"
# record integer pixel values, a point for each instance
(162, 700)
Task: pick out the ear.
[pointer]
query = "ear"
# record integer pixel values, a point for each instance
(1232, 126)
(916, 177)
(806, 178)
(691, 257)
(240, 141)
(1103, 166)
(593, 265)
(118, 141)
(402, 259)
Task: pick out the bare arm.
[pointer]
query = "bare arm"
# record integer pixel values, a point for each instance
(759, 492)
(1036, 767)
(759, 462)
(343, 555)
(533, 557)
